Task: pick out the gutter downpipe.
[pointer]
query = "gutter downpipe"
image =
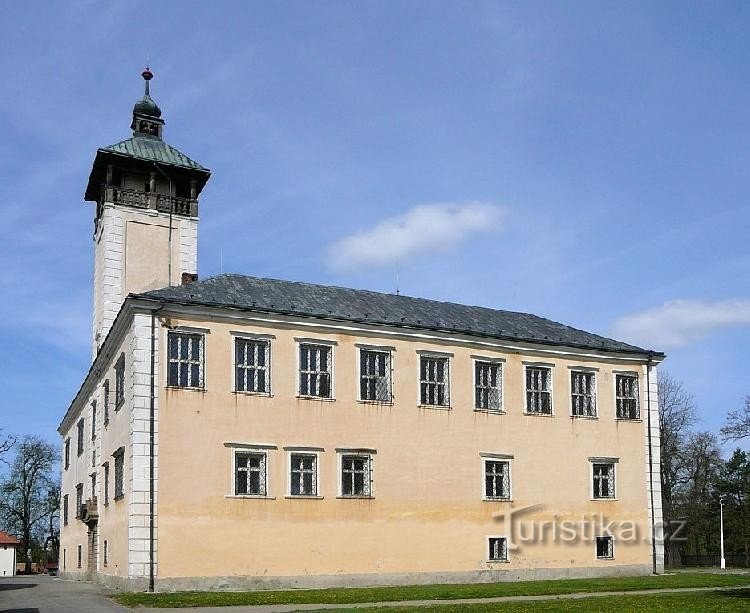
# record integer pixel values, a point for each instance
(151, 449)
(651, 463)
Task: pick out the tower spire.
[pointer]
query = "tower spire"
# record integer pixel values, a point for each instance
(146, 113)
(147, 76)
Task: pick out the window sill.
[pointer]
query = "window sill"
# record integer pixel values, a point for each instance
(534, 414)
(637, 420)
(302, 497)
(590, 417)
(321, 398)
(185, 388)
(605, 499)
(118, 498)
(355, 497)
(385, 403)
(485, 499)
(606, 559)
(435, 407)
(246, 393)
(249, 497)
(490, 411)
(498, 561)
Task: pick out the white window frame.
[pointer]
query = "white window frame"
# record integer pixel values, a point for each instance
(322, 342)
(596, 552)
(262, 338)
(603, 460)
(639, 399)
(313, 451)
(549, 366)
(490, 560)
(475, 359)
(496, 457)
(586, 371)
(367, 453)
(435, 355)
(203, 332)
(234, 448)
(379, 349)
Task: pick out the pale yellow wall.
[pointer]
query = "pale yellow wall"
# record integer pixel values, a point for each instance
(428, 513)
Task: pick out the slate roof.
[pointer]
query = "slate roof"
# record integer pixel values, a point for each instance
(340, 303)
(153, 149)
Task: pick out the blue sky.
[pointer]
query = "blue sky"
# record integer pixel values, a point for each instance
(584, 161)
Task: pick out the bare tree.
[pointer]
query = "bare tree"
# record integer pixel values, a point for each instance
(24, 493)
(6, 443)
(677, 414)
(738, 423)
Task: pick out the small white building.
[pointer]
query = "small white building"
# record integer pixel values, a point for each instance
(8, 546)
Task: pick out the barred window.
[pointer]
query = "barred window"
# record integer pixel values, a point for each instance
(120, 382)
(65, 510)
(498, 549)
(497, 479)
(605, 549)
(315, 370)
(250, 473)
(80, 436)
(119, 457)
(434, 381)
(106, 553)
(79, 499)
(488, 386)
(251, 359)
(626, 387)
(185, 360)
(106, 402)
(583, 393)
(356, 475)
(304, 474)
(539, 390)
(375, 375)
(67, 453)
(604, 480)
(106, 483)
(93, 420)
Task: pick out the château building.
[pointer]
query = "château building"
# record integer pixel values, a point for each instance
(247, 432)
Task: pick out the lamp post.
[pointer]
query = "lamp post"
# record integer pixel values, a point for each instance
(721, 530)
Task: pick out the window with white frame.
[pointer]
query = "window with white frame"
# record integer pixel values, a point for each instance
(498, 549)
(67, 453)
(119, 457)
(303, 474)
(106, 483)
(375, 375)
(65, 510)
(105, 393)
(434, 378)
(251, 363)
(356, 475)
(120, 382)
(605, 547)
(79, 499)
(539, 390)
(80, 556)
(315, 370)
(250, 470)
(185, 361)
(603, 479)
(80, 427)
(488, 381)
(583, 393)
(106, 553)
(496, 479)
(626, 391)
(93, 420)
(93, 484)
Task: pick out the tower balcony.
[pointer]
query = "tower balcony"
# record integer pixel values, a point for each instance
(141, 199)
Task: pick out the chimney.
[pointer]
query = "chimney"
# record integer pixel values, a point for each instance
(189, 277)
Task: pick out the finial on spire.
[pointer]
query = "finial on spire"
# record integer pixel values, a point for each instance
(147, 76)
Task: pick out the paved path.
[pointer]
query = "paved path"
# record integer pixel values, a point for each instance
(419, 603)
(44, 594)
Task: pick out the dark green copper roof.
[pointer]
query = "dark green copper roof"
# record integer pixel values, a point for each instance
(153, 149)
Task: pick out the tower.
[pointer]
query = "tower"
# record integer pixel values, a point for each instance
(146, 221)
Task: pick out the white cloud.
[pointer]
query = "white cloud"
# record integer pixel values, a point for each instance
(428, 227)
(680, 322)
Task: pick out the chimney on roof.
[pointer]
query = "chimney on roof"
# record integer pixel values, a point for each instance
(189, 277)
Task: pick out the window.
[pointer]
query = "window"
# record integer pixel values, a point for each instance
(605, 549)
(120, 382)
(626, 390)
(93, 485)
(93, 420)
(434, 381)
(583, 393)
(65, 558)
(604, 479)
(106, 553)
(119, 457)
(106, 402)
(80, 436)
(106, 483)
(356, 475)
(498, 549)
(79, 556)
(185, 360)
(65, 510)
(79, 499)
(497, 479)
(67, 453)
(539, 390)
(303, 474)
(251, 359)
(315, 370)
(250, 473)
(488, 386)
(375, 375)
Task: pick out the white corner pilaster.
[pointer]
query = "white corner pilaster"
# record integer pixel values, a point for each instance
(109, 273)
(650, 402)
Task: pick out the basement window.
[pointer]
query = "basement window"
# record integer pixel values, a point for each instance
(583, 393)
(498, 549)
(603, 479)
(375, 375)
(185, 364)
(303, 474)
(605, 548)
(496, 479)
(252, 359)
(434, 386)
(539, 390)
(250, 473)
(488, 378)
(356, 475)
(626, 389)
(315, 370)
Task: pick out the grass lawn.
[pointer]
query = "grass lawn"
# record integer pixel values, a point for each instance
(445, 592)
